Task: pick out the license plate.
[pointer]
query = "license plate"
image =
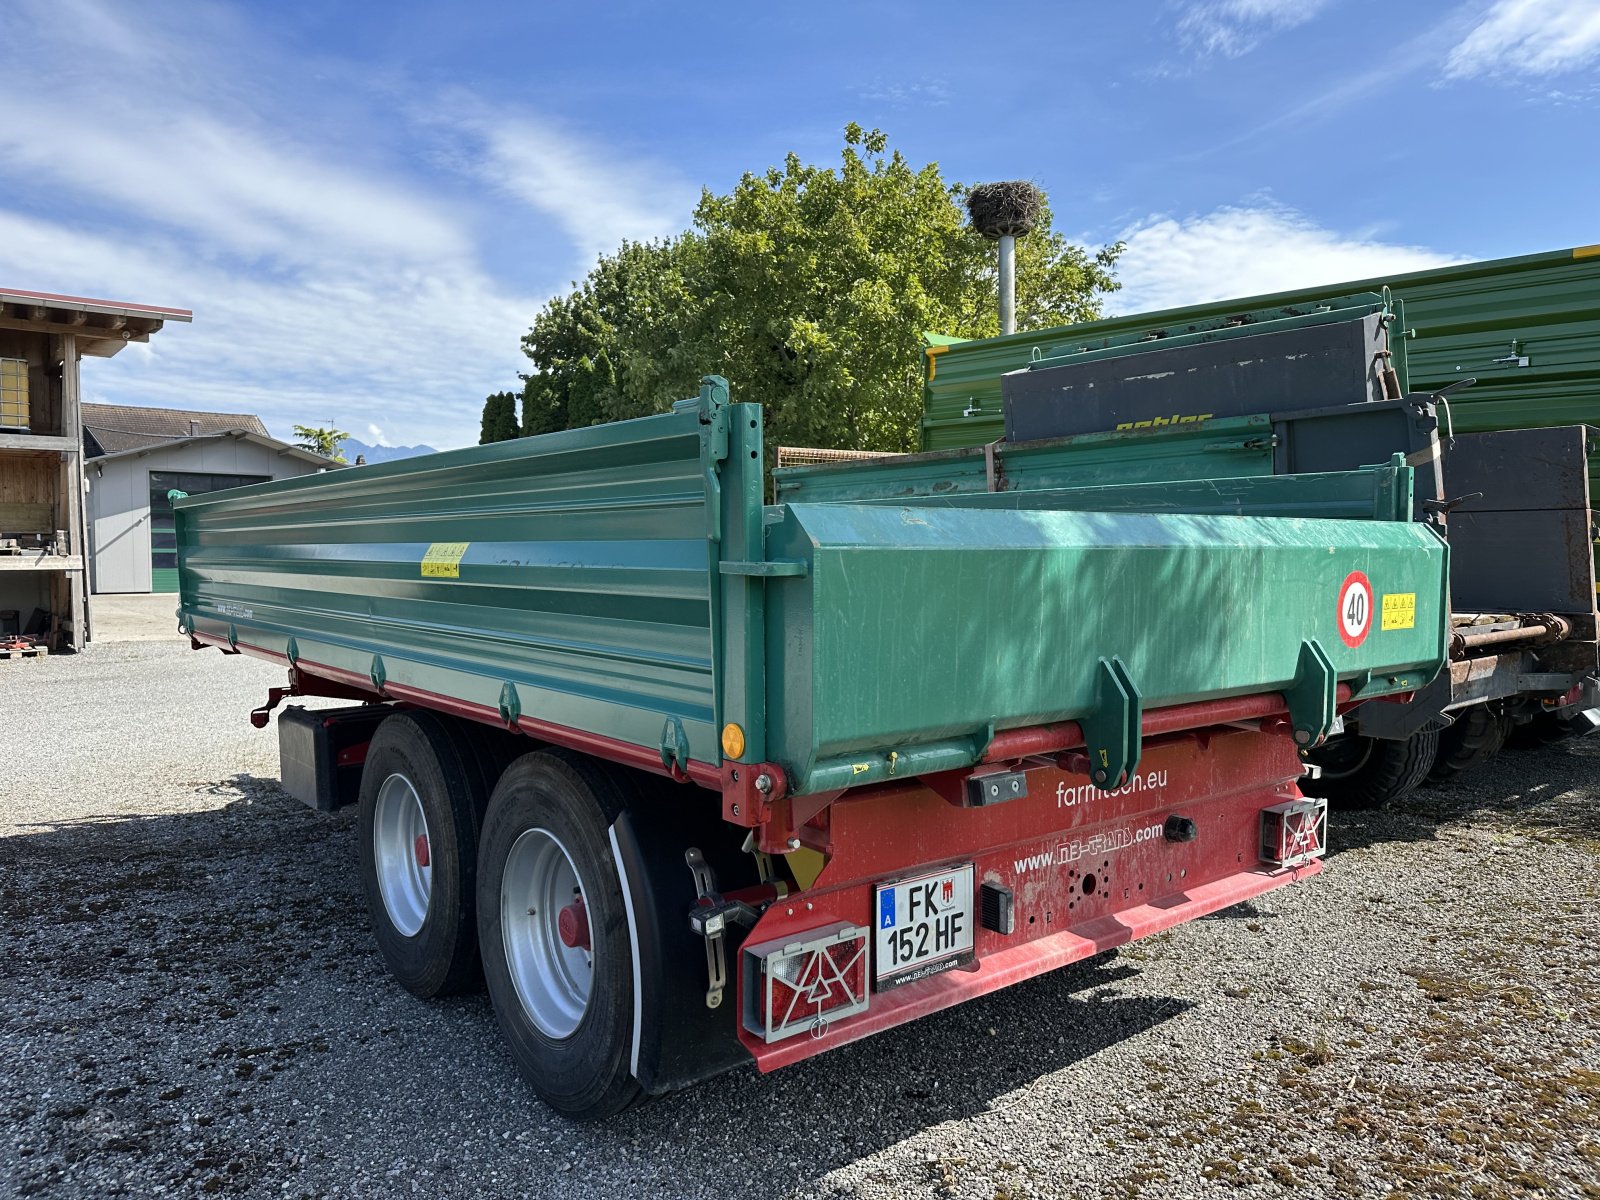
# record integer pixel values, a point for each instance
(924, 926)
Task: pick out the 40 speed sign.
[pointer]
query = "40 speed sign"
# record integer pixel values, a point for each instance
(1355, 609)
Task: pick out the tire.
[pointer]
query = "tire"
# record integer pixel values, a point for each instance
(567, 1014)
(1364, 773)
(1477, 735)
(427, 934)
(1546, 729)
(488, 751)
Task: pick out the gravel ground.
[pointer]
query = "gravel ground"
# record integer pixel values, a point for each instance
(195, 1005)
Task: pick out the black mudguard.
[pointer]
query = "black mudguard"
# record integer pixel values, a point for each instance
(677, 1039)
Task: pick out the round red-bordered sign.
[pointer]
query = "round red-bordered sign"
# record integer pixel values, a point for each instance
(1355, 609)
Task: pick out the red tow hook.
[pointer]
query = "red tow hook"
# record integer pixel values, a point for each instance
(572, 923)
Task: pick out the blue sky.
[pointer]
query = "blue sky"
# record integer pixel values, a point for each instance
(366, 204)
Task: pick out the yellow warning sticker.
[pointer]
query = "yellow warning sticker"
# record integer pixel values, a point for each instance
(443, 560)
(1400, 610)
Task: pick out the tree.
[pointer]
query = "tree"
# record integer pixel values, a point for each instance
(318, 440)
(499, 419)
(615, 347)
(809, 288)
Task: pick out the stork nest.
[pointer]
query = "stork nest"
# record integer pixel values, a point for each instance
(1008, 209)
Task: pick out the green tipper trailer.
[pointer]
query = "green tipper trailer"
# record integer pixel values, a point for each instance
(702, 781)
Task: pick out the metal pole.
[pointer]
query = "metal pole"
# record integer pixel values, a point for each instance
(1008, 284)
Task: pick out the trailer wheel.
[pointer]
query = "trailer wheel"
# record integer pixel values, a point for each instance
(1546, 729)
(417, 828)
(1364, 772)
(1476, 736)
(557, 954)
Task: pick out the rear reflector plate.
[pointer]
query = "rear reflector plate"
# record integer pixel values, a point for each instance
(1295, 833)
(923, 926)
(804, 982)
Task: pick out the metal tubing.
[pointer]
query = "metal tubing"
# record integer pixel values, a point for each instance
(1547, 628)
(1008, 284)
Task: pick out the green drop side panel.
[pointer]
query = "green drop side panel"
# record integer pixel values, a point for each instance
(921, 627)
(1228, 447)
(574, 567)
(1526, 328)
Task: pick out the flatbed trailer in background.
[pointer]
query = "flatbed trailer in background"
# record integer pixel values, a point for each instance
(1354, 373)
(702, 781)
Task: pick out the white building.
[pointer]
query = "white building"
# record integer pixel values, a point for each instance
(134, 456)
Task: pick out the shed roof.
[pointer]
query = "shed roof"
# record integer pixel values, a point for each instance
(102, 327)
(287, 449)
(113, 428)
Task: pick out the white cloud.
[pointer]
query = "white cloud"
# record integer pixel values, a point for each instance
(379, 438)
(308, 347)
(921, 93)
(220, 182)
(185, 160)
(1247, 251)
(1235, 27)
(1528, 37)
(597, 198)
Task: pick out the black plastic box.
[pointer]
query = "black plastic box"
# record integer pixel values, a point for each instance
(1316, 366)
(321, 752)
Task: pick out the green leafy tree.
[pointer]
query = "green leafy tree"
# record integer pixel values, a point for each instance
(615, 346)
(499, 419)
(323, 441)
(809, 288)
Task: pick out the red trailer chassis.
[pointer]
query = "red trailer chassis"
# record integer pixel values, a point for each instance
(1210, 820)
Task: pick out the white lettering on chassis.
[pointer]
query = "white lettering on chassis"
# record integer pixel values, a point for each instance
(1087, 793)
(1104, 842)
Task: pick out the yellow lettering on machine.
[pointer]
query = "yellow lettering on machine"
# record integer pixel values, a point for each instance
(1400, 610)
(443, 560)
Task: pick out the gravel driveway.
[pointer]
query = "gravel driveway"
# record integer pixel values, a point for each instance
(193, 1004)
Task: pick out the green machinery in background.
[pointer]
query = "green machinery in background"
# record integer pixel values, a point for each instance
(1527, 329)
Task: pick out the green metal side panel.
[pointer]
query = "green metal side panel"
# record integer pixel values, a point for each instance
(1372, 494)
(569, 575)
(1222, 448)
(923, 629)
(1476, 320)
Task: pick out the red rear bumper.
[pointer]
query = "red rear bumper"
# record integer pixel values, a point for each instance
(1088, 870)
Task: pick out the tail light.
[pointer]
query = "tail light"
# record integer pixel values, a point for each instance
(1293, 834)
(801, 984)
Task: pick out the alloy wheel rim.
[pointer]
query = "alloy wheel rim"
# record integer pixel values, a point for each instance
(403, 853)
(553, 980)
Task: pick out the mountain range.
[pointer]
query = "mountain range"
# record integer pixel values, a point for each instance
(377, 454)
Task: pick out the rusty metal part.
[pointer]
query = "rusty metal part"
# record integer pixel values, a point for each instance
(1536, 629)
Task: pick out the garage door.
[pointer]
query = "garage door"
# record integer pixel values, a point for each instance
(163, 534)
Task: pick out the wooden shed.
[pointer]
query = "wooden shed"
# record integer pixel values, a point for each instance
(43, 576)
